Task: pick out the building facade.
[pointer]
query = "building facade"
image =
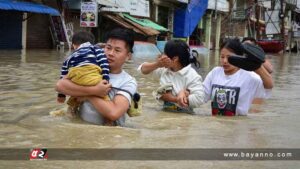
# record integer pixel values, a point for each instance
(26, 24)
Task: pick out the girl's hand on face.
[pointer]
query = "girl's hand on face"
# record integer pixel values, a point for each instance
(102, 88)
(163, 61)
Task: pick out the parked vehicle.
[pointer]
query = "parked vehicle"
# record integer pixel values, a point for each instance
(271, 46)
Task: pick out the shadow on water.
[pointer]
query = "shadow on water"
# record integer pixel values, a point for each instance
(27, 96)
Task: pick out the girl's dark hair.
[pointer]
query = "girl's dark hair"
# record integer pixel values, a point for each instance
(181, 49)
(82, 37)
(122, 34)
(233, 45)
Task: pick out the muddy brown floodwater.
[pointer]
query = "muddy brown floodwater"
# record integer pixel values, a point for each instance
(27, 96)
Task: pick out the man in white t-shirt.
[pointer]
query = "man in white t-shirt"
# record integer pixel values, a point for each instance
(96, 110)
(232, 89)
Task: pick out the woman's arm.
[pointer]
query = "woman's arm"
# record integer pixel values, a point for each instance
(268, 66)
(111, 109)
(207, 85)
(67, 87)
(265, 77)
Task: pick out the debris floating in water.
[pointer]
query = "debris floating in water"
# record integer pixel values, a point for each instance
(56, 113)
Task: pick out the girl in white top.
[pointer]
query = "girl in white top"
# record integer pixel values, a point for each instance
(181, 86)
(232, 89)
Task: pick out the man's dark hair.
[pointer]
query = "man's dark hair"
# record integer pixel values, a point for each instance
(122, 34)
(82, 37)
(251, 39)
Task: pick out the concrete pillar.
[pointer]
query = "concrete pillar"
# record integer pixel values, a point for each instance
(246, 34)
(24, 30)
(208, 30)
(171, 19)
(23, 55)
(218, 32)
(156, 12)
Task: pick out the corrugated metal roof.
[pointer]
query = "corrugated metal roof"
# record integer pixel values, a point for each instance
(27, 7)
(131, 25)
(119, 20)
(147, 30)
(146, 23)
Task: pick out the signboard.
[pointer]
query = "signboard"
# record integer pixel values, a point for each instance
(112, 3)
(272, 22)
(133, 7)
(140, 8)
(183, 1)
(219, 5)
(89, 14)
(113, 9)
(266, 4)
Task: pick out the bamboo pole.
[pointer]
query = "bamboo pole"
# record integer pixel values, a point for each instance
(257, 20)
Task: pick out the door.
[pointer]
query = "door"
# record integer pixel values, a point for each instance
(10, 30)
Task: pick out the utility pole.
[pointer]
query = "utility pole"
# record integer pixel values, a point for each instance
(281, 16)
(257, 13)
(216, 5)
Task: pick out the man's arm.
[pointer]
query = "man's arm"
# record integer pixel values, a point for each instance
(67, 87)
(111, 109)
(265, 77)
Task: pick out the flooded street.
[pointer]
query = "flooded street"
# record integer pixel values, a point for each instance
(27, 96)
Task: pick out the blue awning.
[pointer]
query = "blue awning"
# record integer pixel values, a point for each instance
(27, 7)
(186, 20)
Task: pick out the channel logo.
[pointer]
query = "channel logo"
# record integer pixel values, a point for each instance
(38, 154)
